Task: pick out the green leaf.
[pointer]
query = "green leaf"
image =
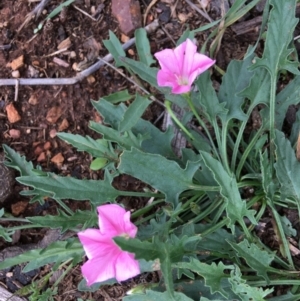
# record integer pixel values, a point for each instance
(114, 47)
(125, 140)
(287, 226)
(213, 274)
(245, 291)
(259, 89)
(18, 162)
(97, 148)
(281, 26)
(57, 252)
(112, 114)
(259, 260)
(98, 163)
(208, 97)
(268, 184)
(236, 79)
(236, 207)
(160, 173)
(157, 143)
(142, 249)
(86, 219)
(287, 167)
(134, 113)
(120, 96)
(143, 47)
(98, 192)
(287, 97)
(157, 296)
(6, 234)
(145, 72)
(217, 242)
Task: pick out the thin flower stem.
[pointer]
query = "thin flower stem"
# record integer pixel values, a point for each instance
(146, 209)
(224, 148)
(215, 227)
(142, 194)
(21, 227)
(239, 137)
(63, 205)
(177, 121)
(200, 121)
(282, 239)
(272, 121)
(14, 219)
(288, 282)
(247, 151)
(245, 229)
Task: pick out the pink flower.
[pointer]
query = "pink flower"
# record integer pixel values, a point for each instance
(181, 66)
(106, 260)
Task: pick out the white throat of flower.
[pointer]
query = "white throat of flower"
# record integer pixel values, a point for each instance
(182, 80)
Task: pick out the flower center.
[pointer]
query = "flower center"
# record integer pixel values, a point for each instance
(182, 80)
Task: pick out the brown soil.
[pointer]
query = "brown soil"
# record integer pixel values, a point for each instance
(44, 110)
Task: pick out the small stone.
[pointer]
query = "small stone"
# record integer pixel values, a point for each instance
(52, 133)
(128, 14)
(32, 72)
(182, 17)
(58, 159)
(15, 134)
(131, 52)
(15, 74)
(47, 145)
(18, 207)
(38, 150)
(65, 44)
(16, 63)
(60, 62)
(64, 125)
(12, 114)
(33, 100)
(75, 66)
(124, 38)
(53, 114)
(90, 79)
(41, 157)
(72, 54)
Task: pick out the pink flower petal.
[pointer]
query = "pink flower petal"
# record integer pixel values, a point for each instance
(181, 66)
(106, 259)
(95, 243)
(168, 61)
(128, 267)
(187, 57)
(166, 79)
(99, 269)
(115, 221)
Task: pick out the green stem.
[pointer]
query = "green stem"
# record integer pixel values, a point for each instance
(200, 121)
(207, 211)
(247, 151)
(224, 147)
(144, 210)
(14, 219)
(239, 137)
(21, 227)
(142, 194)
(64, 206)
(282, 239)
(272, 121)
(215, 227)
(177, 121)
(275, 282)
(246, 230)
